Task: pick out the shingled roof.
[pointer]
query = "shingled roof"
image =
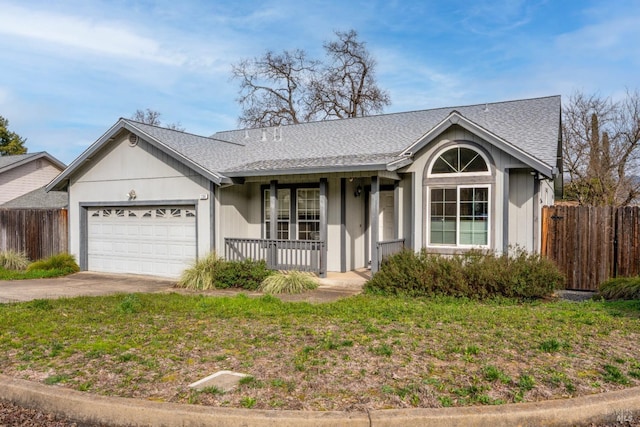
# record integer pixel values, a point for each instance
(528, 129)
(530, 125)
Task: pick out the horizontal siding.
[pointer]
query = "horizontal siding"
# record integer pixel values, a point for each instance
(26, 178)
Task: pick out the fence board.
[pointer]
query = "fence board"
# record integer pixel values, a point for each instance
(592, 244)
(38, 233)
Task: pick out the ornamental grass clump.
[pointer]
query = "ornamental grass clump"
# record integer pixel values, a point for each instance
(291, 282)
(201, 275)
(62, 263)
(621, 288)
(13, 260)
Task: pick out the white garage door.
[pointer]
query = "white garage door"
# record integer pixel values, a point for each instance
(159, 241)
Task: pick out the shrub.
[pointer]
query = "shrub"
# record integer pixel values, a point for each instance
(247, 274)
(292, 282)
(200, 276)
(621, 288)
(418, 274)
(13, 260)
(63, 262)
(475, 274)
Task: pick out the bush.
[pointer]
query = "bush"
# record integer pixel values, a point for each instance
(247, 274)
(63, 262)
(200, 276)
(13, 260)
(621, 288)
(292, 282)
(475, 274)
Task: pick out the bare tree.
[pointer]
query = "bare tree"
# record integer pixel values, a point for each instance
(152, 117)
(289, 88)
(347, 87)
(275, 88)
(600, 143)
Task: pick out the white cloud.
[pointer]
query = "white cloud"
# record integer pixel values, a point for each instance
(76, 32)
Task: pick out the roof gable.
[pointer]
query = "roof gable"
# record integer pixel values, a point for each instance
(13, 161)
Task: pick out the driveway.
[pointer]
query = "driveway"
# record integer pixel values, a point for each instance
(81, 284)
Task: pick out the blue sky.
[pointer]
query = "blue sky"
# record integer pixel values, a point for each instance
(70, 69)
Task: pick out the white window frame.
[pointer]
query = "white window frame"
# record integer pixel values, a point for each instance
(458, 174)
(297, 213)
(458, 187)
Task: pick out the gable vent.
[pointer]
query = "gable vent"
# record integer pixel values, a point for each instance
(133, 140)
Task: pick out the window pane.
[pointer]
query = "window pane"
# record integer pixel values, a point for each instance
(308, 215)
(463, 221)
(459, 160)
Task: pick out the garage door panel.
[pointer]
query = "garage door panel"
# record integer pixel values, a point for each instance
(141, 240)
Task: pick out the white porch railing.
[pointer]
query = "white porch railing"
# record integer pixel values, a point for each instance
(302, 255)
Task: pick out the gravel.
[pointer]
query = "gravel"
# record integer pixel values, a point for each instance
(14, 415)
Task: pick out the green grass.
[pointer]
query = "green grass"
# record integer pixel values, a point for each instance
(398, 352)
(31, 274)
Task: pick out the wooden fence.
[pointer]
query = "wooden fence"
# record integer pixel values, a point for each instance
(592, 244)
(38, 233)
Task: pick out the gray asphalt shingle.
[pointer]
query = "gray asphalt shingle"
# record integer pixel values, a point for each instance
(531, 125)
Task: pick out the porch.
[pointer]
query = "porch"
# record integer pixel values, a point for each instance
(304, 255)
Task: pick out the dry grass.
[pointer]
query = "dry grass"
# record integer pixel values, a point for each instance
(355, 354)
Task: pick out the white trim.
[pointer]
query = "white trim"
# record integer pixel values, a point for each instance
(443, 150)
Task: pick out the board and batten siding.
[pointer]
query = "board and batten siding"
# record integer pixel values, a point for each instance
(501, 161)
(155, 177)
(26, 178)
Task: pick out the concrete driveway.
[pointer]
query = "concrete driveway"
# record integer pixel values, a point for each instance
(81, 284)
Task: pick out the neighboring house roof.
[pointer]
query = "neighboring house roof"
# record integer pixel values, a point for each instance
(527, 129)
(9, 162)
(39, 199)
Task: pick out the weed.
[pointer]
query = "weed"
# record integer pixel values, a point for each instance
(526, 382)
(41, 304)
(382, 350)
(471, 350)
(55, 379)
(491, 373)
(213, 390)
(613, 374)
(248, 402)
(131, 304)
(445, 401)
(552, 345)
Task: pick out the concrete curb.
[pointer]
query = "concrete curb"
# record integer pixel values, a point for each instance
(605, 408)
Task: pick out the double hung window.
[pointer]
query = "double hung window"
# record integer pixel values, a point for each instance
(298, 214)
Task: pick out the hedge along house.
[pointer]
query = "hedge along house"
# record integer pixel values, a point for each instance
(324, 196)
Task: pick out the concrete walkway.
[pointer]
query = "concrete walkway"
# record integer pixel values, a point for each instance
(334, 286)
(81, 284)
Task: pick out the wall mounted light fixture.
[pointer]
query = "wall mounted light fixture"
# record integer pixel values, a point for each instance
(131, 195)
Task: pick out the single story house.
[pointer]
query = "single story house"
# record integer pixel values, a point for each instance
(23, 173)
(324, 196)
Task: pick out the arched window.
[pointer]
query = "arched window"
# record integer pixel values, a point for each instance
(458, 208)
(459, 160)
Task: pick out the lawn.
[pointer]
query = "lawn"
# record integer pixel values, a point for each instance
(358, 353)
